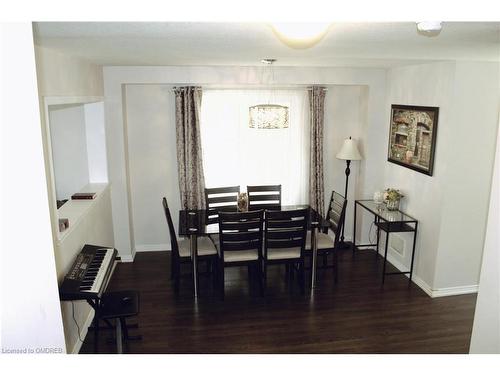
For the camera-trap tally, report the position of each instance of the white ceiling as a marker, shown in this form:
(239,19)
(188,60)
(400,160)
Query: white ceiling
(245,44)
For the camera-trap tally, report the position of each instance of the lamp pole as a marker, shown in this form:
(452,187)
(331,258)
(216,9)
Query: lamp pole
(348,152)
(347,173)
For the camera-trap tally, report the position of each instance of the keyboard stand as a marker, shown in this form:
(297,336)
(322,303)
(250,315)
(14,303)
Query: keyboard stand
(116,306)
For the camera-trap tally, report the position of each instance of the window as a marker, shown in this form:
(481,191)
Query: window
(236,154)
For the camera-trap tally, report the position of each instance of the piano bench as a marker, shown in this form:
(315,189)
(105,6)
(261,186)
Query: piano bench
(118,306)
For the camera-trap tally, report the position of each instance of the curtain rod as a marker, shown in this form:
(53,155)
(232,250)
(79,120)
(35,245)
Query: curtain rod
(251,88)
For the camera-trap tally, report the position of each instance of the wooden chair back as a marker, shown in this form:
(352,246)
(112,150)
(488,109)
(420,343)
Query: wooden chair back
(285,229)
(240,231)
(171,229)
(336,214)
(220,199)
(264,197)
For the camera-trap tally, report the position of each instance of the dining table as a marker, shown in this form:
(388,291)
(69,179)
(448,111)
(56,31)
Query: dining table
(194,224)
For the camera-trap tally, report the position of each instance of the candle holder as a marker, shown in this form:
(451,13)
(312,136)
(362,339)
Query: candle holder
(242,202)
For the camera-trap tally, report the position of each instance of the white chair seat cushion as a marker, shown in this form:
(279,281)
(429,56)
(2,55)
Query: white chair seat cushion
(284,253)
(324,241)
(215,239)
(240,256)
(205,247)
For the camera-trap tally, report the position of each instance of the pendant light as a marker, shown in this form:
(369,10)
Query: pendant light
(269,115)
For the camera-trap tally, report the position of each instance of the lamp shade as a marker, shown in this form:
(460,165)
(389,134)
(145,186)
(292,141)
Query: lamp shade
(349,150)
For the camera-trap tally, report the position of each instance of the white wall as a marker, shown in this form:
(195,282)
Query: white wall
(425,85)
(116,122)
(62,78)
(345,116)
(30,310)
(486,330)
(96,142)
(66,79)
(152,160)
(451,205)
(63,75)
(69,149)
(476,102)
(152,163)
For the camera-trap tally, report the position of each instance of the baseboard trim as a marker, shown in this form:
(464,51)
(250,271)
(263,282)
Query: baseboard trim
(415,278)
(84,330)
(433,293)
(127,258)
(455,291)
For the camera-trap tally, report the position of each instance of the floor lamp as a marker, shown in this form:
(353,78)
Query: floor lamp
(348,152)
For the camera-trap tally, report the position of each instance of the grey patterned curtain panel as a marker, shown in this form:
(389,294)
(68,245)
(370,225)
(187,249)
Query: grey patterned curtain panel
(189,152)
(316,179)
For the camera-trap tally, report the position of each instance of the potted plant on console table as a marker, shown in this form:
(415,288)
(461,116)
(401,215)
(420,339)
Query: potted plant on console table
(392,198)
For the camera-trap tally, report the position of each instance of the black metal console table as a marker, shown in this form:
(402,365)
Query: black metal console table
(389,222)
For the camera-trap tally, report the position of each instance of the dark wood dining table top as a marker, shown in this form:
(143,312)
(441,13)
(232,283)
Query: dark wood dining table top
(195,221)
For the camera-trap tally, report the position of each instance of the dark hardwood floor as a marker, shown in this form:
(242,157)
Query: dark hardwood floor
(357,315)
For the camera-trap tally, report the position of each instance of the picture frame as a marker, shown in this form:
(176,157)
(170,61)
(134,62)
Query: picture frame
(412,137)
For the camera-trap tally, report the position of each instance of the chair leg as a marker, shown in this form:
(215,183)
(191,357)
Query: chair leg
(221,276)
(259,276)
(215,272)
(177,278)
(96,335)
(126,335)
(335,266)
(302,278)
(264,278)
(172,267)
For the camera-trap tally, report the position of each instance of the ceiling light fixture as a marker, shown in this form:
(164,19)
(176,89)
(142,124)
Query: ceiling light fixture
(300,35)
(270,115)
(429,28)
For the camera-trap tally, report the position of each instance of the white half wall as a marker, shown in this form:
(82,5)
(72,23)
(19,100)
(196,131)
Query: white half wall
(92,225)
(116,78)
(30,309)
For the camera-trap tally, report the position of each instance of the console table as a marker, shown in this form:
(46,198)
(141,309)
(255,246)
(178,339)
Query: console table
(389,222)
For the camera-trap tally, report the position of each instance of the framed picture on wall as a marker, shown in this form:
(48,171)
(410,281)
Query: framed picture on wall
(412,137)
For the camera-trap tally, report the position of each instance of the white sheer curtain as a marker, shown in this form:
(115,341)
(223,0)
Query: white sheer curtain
(234,154)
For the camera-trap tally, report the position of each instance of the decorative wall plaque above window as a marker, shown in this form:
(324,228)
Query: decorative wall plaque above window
(268,116)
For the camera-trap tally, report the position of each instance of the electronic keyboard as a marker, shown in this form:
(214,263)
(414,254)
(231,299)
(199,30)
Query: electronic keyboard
(89,274)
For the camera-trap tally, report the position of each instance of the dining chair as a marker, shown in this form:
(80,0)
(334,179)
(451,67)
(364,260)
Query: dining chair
(264,197)
(181,251)
(284,241)
(325,243)
(220,199)
(240,243)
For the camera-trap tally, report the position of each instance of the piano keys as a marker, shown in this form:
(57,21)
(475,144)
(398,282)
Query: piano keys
(89,275)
